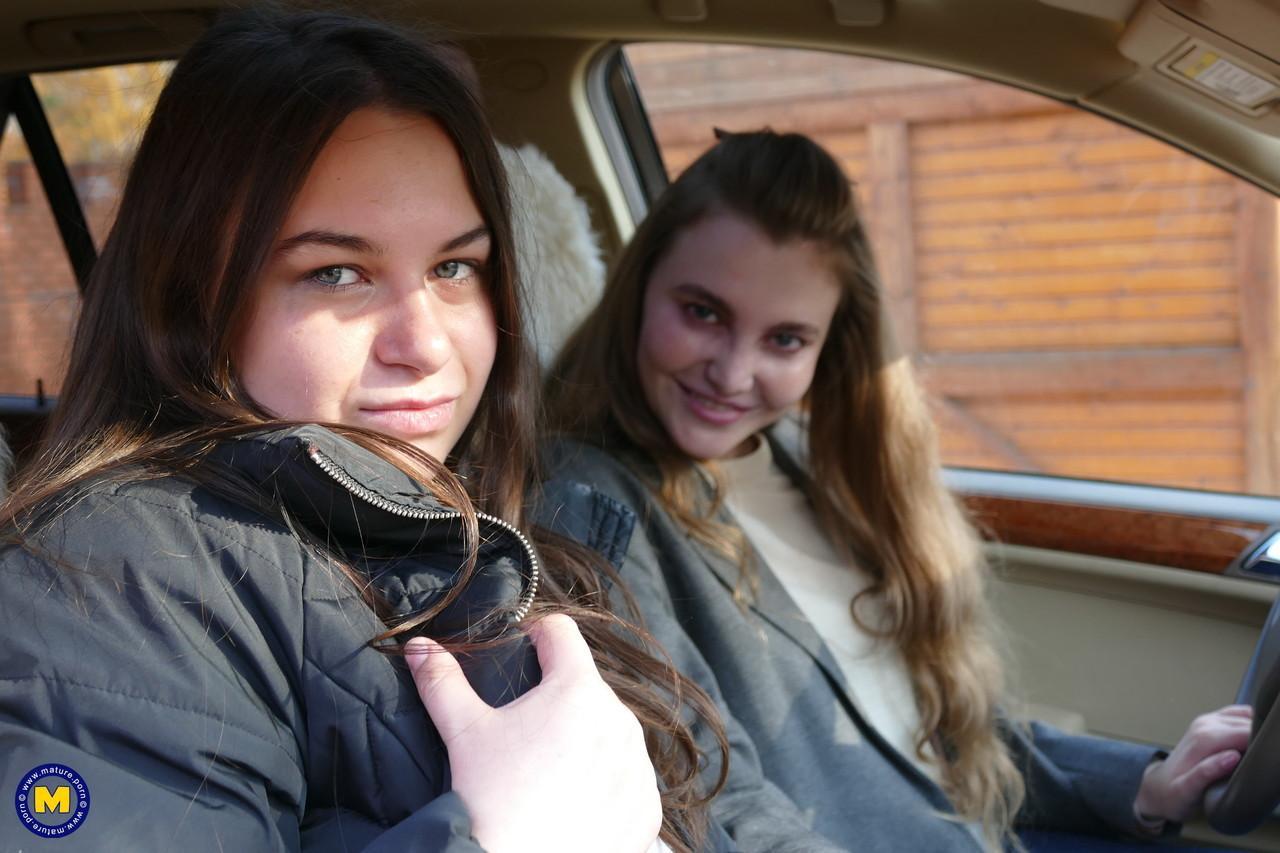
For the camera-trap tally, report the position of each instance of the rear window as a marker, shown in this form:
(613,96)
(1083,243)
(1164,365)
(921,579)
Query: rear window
(97,116)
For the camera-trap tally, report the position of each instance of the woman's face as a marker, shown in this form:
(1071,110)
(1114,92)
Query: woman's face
(733,324)
(373,309)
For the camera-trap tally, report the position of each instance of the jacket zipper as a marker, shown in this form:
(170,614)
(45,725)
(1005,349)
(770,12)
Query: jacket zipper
(342,478)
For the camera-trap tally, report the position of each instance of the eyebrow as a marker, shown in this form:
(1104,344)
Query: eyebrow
(475,235)
(354,243)
(333,239)
(699,292)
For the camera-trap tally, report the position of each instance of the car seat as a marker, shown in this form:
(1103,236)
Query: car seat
(560,261)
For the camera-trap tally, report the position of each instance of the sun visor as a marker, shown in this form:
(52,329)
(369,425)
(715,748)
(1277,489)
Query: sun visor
(1224,52)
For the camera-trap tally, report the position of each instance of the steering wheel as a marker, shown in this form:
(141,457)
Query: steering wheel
(1243,801)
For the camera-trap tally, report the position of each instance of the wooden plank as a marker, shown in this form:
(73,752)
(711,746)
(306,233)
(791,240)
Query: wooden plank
(1060,124)
(1053,336)
(1163,539)
(887,202)
(955,417)
(677,157)
(824,113)
(1153,439)
(851,144)
(1198,279)
(1184,476)
(848,146)
(1064,180)
(960,450)
(1110,413)
(1008,375)
(1129,467)
(1163,226)
(1113,256)
(1257,273)
(1073,153)
(1083,310)
(1103,204)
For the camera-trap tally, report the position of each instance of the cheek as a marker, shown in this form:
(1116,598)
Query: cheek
(787,384)
(290,368)
(475,336)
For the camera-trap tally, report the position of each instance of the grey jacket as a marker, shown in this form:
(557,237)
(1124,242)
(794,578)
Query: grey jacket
(780,684)
(211,681)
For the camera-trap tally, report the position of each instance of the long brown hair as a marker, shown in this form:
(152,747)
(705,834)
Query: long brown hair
(151,386)
(871,447)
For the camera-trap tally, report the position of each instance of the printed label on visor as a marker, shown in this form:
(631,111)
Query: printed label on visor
(1226,78)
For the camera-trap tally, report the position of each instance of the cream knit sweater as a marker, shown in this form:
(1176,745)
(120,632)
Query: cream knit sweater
(777,519)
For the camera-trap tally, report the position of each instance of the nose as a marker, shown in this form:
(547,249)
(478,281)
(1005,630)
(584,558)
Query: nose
(731,370)
(413,333)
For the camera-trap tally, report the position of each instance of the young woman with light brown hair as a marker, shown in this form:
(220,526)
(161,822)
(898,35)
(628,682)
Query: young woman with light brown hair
(795,547)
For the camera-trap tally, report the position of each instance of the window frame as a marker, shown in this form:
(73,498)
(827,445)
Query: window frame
(18,98)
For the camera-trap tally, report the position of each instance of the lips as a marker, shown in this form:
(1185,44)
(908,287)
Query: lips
(711,409)
(410,418)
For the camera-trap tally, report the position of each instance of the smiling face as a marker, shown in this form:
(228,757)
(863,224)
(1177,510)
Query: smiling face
(373,309)
(733,325)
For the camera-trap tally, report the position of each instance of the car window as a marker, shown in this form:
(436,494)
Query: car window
(96,116)
(1080,299)
(38,295)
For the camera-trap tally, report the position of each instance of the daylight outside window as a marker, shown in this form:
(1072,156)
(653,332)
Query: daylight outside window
(1080,299)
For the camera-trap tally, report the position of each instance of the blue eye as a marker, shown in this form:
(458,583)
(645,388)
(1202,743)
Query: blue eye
(335,276)
(454,270)
(788,342)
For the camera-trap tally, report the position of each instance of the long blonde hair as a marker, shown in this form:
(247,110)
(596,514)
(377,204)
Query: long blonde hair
(875,485)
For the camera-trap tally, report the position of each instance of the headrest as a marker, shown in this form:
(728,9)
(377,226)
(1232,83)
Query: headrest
(558,254)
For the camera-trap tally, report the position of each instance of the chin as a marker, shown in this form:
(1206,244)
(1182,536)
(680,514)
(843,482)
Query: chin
(433,447)
(701,446)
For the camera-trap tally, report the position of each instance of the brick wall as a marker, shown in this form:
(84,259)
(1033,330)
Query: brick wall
(38,296)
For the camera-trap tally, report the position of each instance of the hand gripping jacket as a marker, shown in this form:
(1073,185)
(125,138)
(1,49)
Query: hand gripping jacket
(210,678)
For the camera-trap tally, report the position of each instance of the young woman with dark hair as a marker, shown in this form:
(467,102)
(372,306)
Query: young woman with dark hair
(795,547)
(209,600)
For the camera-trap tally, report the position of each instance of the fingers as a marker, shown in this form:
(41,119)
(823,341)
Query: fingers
(562,652)
(1210,734)
(1193,783)
(1226,733)
(449,699)
(1172,795)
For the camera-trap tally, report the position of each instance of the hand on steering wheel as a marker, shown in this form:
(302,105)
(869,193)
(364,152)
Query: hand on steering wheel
(1173,788)
(1239,805)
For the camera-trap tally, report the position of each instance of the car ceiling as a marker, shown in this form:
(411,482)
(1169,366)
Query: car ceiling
(1059,52)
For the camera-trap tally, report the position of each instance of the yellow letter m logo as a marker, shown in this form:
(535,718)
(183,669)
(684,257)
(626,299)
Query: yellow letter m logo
(52,801)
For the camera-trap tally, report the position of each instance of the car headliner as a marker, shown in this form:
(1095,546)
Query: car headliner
(536,51)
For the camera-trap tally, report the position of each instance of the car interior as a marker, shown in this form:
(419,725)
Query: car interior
(1073,204)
